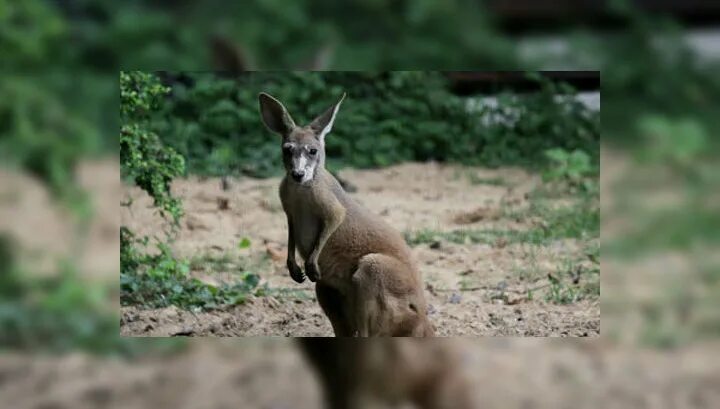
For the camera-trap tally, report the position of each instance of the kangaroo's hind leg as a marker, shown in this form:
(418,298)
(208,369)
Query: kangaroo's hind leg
(382,289)
(335,307)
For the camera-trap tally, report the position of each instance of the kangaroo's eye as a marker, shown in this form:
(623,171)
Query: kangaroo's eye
(313,151)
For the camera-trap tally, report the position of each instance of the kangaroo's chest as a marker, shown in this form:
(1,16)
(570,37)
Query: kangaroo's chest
(306,226)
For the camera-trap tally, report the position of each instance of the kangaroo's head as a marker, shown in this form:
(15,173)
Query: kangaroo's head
(303,147)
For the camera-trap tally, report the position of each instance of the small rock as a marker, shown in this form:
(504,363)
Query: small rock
(223,203)
(500,243)
(273,303)
(99,395)
(435,245)
(225,183)
(514,299)
(277,255)
(481,213)
(169,314)
(455,298)
(183,332)
(193,222)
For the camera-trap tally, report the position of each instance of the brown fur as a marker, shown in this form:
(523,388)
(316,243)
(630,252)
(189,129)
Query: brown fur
(381,373)
(367,281)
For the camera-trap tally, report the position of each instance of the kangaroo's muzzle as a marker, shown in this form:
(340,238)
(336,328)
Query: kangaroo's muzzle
(297,175)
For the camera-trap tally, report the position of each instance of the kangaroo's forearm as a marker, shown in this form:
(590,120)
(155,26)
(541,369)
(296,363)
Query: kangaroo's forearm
(295,272)
(329,226)
(291,242)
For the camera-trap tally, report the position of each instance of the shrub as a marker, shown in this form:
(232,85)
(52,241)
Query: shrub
(144,159)
(158,280)
(388,117)
(161,280)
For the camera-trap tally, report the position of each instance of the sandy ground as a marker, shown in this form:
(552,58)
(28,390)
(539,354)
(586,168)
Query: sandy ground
(473,289)
(47,234)
(270,374)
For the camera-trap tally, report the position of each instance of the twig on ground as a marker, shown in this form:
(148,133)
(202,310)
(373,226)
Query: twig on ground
(490,289)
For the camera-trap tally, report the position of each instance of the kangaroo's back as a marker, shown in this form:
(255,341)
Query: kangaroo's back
(363,232)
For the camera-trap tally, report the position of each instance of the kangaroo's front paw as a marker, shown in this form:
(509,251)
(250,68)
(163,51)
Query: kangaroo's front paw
(295,272)
(312,271)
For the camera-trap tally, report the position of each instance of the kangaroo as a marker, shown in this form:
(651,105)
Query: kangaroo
(390,372)
(366,279)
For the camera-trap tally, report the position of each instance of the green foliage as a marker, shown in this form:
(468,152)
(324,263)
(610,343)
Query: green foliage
(28,44)
(143,157)
(578,221)
(388,118)
(160,280)
(574,283)
(660,75)
(666,230)
(61,313)
(679,142)
(39,135)
(49,120)
(244,243)
(570,167)
(277,35)
(523,127)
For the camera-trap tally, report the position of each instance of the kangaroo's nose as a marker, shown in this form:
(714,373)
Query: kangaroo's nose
(297,175)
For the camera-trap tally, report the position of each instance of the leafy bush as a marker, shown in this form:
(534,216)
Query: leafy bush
(39,134)
(161,280)
(143,157)
(661,74)
(574,283)
(572,168)
(388,118)
(158,280)
(61,313)
(679,142)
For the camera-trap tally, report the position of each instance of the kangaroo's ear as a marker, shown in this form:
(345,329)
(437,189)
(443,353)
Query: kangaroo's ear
(323,124)
(274,115)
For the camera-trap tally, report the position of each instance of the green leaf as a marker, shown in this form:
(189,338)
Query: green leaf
(244,243)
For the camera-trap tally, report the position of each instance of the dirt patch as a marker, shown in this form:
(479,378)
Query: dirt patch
(270,374)
(474,216)
(48,233)
(473,289)
(256,317)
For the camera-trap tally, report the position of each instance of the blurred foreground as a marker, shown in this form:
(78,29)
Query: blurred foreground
(660,226)
(271,374)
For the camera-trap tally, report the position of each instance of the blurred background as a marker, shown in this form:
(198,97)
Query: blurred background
(60,185)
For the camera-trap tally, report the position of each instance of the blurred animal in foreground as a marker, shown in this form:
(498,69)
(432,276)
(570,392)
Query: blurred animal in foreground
(387,373)
(367,281)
